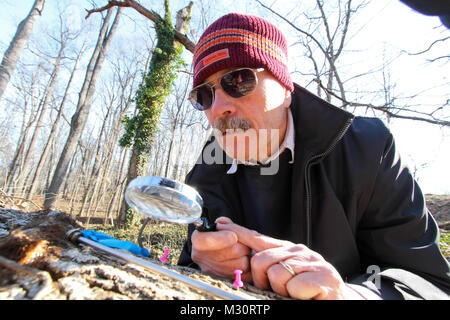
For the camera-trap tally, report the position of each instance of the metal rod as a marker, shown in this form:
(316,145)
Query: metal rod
(141,230)
(154,267)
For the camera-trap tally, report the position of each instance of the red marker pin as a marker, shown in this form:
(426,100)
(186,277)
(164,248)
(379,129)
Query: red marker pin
(238,282)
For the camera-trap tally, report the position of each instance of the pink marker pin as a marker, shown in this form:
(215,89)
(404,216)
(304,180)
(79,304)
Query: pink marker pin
(164,257)
(238,282)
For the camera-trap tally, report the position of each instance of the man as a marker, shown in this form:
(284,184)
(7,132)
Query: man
(337,217)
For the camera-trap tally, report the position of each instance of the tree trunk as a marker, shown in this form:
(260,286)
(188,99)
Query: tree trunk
(18,155)
(96,167)
(150,99)
(45,99)
(171,144)
(119,185)
(79,119)
(17,44)
(40,165)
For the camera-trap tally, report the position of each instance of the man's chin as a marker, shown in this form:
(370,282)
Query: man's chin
(234,146)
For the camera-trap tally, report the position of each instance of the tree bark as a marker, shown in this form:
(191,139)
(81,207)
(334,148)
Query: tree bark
(17,44)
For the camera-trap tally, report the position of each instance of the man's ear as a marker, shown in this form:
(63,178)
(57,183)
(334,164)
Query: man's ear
(287,98)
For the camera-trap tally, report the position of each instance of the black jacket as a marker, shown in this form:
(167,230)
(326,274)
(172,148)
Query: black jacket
(353,200)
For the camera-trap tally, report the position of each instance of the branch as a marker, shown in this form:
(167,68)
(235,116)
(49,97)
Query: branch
(328,52)
(384,108)
(344,32)
(435,59)
(296,28)
(15,200)
(151,15)
(111,4)
(327,28)
(429,47)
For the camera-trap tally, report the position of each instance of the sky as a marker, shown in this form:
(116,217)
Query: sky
(385,27)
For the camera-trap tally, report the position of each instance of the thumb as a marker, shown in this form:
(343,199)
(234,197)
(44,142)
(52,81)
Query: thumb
(251,238)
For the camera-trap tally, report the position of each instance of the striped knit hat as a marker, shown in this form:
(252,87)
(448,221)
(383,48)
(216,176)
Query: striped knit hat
(238,40)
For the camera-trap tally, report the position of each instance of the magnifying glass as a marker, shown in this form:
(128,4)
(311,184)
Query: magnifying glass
(168,200)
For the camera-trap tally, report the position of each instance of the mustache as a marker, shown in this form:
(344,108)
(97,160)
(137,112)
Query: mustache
(231,124)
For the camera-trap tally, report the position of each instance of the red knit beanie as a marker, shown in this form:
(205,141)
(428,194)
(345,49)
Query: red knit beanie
(238,40)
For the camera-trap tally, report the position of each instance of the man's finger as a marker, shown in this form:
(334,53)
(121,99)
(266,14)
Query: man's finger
(251,238)
(262,261)
(278,277)
(234,251)
(304,286)
(226,268)
(223,220)
(216,240)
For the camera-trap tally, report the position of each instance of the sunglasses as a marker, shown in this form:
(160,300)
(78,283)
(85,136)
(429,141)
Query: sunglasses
(236,83)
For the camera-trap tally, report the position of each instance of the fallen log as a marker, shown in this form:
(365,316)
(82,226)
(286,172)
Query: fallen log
(38,261)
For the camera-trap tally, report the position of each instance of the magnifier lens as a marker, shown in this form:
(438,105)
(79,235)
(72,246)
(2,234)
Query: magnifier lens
(164,199)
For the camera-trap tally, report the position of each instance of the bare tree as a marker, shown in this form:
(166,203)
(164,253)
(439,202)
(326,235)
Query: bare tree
(53,130)
(330,47)
(45,99)
(84,104)
(27,87)
(179,120)
(330,42)
(17,44)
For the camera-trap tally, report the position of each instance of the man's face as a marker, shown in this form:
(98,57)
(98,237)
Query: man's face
(251,127)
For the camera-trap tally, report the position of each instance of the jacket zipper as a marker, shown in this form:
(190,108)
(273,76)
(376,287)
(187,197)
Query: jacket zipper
(309,163)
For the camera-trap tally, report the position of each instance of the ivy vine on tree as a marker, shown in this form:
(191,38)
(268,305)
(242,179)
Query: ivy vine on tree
(156,86)
(141,129)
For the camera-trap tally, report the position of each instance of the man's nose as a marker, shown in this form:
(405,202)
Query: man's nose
(223,105)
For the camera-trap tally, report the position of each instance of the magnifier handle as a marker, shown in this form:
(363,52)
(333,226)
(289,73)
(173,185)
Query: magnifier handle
(206,225)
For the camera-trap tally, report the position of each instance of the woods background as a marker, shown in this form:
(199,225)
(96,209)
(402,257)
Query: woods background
(75,80)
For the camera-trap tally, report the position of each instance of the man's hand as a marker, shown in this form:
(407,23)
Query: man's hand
(314,277)
(220,253)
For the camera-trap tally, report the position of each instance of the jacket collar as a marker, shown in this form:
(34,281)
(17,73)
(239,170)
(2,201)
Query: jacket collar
(318,124)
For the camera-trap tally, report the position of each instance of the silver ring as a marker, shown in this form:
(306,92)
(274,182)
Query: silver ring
(287,267)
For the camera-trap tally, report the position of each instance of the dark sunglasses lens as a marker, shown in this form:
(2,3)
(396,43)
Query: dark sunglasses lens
(202,97)
(239,83)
